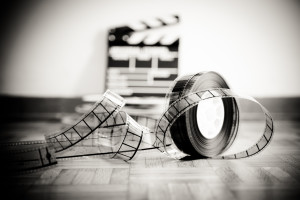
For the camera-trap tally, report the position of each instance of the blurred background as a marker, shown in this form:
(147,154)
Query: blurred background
(55,52)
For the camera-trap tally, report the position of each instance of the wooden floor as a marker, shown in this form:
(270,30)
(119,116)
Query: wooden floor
(273,174)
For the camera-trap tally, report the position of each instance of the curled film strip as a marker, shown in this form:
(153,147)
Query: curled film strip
(105,130)
(27,155)
(104,127)
(112,131)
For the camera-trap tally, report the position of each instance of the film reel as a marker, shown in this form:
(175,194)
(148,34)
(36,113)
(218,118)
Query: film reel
(178,133)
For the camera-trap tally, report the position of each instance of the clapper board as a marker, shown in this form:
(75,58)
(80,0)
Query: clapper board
(143,57)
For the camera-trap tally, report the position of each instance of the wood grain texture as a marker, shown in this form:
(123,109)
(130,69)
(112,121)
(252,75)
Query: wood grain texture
(102,176)
(273,174)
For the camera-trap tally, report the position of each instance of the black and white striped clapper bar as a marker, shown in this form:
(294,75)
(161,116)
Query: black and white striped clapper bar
(143,57)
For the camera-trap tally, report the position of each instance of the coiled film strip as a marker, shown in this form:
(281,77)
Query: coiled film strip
(114,133)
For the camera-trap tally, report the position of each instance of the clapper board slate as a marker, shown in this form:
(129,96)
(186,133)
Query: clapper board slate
(143,58)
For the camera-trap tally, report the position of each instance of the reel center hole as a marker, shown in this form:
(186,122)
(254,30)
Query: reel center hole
(210,117)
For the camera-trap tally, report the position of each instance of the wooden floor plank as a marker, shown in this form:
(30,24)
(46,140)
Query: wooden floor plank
(138,191)
(119,176)
(185,164)
(102,176)
(169,162)
(84,176)
(201,163)
(281,175)
(138,163)
(222,192)
(48,177)
(200,191)
(158,191)
(227,175)
(179,191)
(67,192)
(66,177)
(154,162)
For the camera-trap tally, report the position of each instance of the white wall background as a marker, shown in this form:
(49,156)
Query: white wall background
(60,48)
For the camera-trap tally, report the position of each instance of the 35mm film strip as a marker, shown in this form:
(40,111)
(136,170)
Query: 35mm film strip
(103,128)
(106,130)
